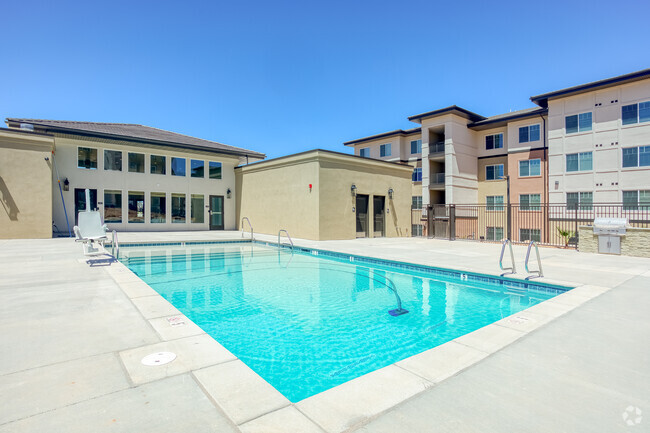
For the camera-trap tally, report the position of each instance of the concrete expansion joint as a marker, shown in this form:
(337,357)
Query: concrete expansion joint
(210,398)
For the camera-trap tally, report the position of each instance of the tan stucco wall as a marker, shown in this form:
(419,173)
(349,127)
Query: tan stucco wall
(636,241)
(25,186)
(275,194)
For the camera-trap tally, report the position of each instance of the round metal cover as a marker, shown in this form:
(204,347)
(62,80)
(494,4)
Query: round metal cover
(159,358)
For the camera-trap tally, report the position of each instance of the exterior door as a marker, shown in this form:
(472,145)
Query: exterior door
(216,212)
(379,219)
(362,215)
(80,202)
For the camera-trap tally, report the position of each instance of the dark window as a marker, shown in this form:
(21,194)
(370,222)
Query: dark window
(197,168)
(178,166)
(178,208)
(158,207)
(112,206)
(158,164)
(215,170)
(136,207)
(136,162)
(87,158)
(113,160)
(197,211)
(629,114)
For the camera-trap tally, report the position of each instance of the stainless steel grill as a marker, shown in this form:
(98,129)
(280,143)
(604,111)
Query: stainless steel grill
(610,231)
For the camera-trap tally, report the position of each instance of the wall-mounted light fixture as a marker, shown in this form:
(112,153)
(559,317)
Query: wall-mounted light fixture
(66,185)
(390,193)
(228,193)
(557,184)
(353,189)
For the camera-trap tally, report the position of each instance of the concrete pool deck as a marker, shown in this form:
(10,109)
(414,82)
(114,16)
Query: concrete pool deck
(73,336)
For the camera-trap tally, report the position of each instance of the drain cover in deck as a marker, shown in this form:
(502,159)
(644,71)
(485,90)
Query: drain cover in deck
(160,358)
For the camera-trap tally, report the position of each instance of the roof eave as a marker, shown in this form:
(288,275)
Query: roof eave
(487,124)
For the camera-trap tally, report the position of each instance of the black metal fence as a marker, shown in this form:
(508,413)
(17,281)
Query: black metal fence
(548,224)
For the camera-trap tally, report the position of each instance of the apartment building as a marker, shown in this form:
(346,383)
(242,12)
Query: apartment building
(585,144)
(140,178)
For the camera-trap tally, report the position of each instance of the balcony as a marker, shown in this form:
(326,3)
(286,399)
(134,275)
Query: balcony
(437,150)
(437,181)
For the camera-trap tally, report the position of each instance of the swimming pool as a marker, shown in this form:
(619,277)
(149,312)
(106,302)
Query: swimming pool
(309,320)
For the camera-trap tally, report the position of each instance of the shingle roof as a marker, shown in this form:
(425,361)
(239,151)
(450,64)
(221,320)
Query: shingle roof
(382,135)
(136,132)
(451,109)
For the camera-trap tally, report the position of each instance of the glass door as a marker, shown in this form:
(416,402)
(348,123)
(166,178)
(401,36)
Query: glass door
(80,202)
(216,212)
(378,210)
(362,215)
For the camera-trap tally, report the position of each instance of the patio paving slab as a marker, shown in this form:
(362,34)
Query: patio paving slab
(175,404)
(240,392)
(286,420)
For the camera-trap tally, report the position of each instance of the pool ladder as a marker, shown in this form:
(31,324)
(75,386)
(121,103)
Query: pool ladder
(288,237)
(249,225)
(115,246)
(513,269)
(539,271)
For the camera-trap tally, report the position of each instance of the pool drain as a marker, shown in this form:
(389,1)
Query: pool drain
(160,358)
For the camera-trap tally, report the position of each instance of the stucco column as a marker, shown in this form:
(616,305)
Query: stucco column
(425,168)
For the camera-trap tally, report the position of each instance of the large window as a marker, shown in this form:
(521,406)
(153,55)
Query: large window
(529,133)
(197,212)
(416,146)
(494,233)
(530,167)
(364,152)
(635,200)
(494,202)
(158,164)
(578,123)
(579,162)
(384,150)
(493,172)
(215,170)
(136,162)
(417,174)
(416,202)
(87,158)
(494,141)
(416,230)
(178,208)
(530,235)
(178,166)
(112,206)
(635,113)
(136,207)
(583,200)
(197,168)
(529,202)
(636,156)
(113,160)
(158,207)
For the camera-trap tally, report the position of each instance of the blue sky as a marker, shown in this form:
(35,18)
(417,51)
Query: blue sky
(282,77)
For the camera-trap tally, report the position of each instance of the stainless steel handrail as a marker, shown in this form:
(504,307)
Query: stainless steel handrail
(539,272)
(115,244)
(249,224)
(513,269)
(288,237)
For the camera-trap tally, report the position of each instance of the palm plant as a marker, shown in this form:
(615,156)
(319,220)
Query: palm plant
(566,234)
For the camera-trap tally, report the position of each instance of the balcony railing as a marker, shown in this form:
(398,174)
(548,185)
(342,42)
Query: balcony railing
(437,179)
(438,147)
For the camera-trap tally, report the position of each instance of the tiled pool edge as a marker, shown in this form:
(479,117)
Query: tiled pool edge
(355,403)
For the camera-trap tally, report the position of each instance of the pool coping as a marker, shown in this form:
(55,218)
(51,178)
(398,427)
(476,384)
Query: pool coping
(352,404)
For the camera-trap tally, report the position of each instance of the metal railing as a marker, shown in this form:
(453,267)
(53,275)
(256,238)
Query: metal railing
(288,237)
(539,271)
(513,269)
(249,224)
(437,178)
(548,224)
(436,147)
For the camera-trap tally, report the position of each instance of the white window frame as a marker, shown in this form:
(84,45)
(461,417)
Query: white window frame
(104,161)
(362,150)
(493,135)
(86,168)
(494,165)
(528,126)
(382,149)
(528,161)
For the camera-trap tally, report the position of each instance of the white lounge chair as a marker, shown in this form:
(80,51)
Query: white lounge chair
(91,232)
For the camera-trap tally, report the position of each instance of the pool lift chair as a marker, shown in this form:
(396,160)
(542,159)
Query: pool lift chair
(90,231)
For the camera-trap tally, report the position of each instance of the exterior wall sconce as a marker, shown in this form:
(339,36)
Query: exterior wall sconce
(390,193)
(228,193)
(353,189)
(66,185)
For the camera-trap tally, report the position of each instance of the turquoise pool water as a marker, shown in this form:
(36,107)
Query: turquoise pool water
(307,323)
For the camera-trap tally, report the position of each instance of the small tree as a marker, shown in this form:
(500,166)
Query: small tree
(566,234)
